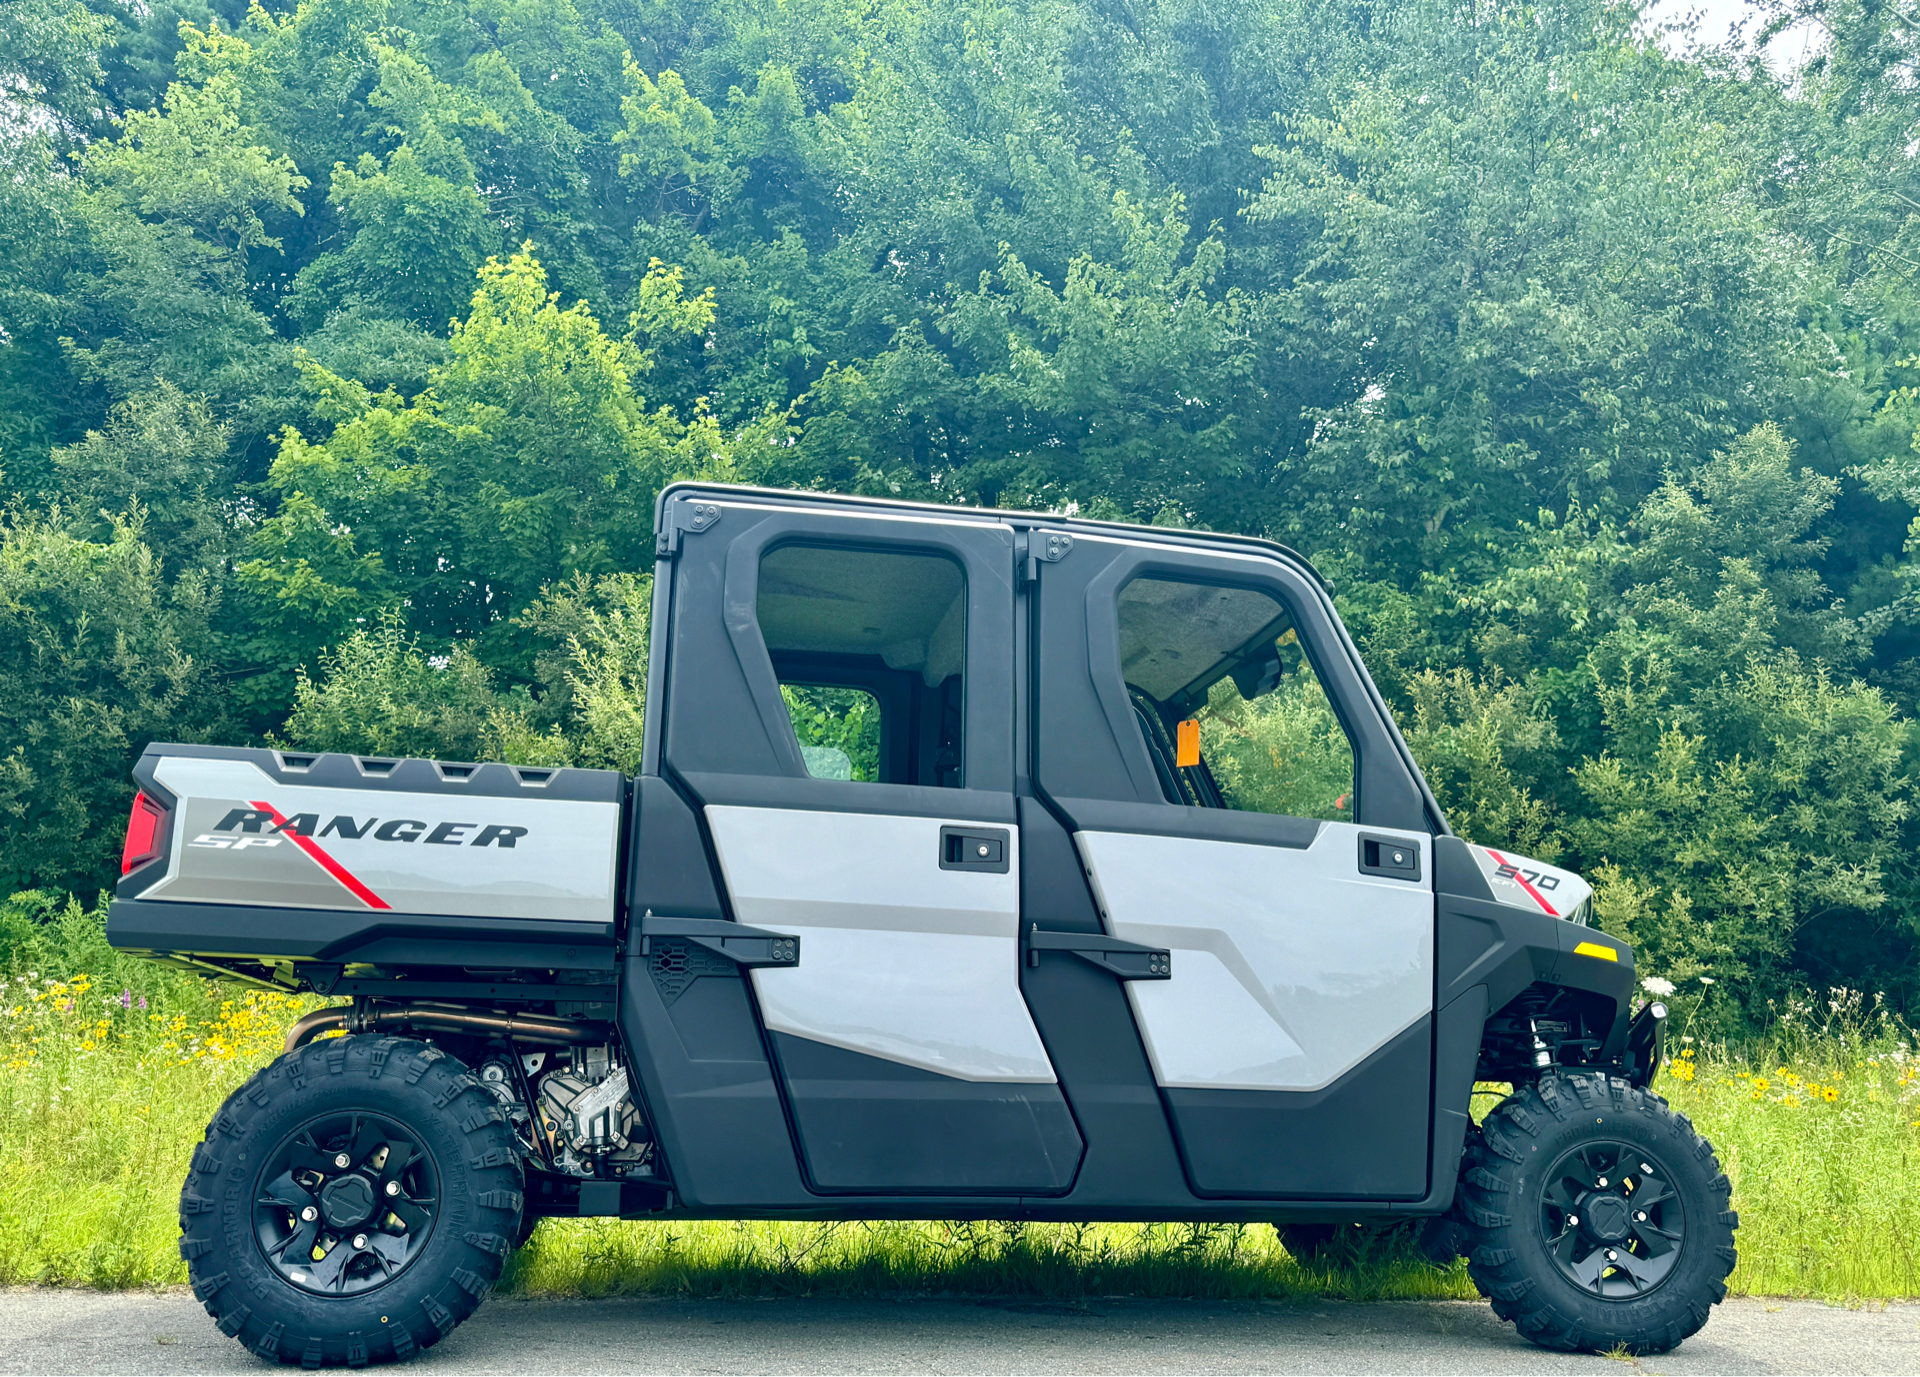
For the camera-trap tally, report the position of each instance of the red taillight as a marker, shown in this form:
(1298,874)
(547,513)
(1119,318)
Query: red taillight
(143,832)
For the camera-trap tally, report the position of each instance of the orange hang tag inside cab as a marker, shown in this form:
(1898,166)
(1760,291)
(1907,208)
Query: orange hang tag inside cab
(1187,744)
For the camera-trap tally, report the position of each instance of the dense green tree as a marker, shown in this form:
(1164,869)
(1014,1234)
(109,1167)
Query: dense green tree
(164,456)
(100,652)
(50,61)
(345,343)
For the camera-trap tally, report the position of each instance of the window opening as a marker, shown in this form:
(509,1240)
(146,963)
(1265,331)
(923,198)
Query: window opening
(1229,660)
(838,730)
(869,647)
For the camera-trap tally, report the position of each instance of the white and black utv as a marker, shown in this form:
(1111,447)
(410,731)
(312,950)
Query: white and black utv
(981,865)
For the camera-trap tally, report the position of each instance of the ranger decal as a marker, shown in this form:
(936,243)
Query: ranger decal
(398,829)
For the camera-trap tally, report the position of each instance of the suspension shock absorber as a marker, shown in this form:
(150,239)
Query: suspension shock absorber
(1542,1054)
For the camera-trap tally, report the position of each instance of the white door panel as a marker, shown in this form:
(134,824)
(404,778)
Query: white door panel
(1291,966)
(899,958)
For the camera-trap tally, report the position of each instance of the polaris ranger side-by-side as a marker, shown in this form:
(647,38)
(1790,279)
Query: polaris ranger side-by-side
(980,865)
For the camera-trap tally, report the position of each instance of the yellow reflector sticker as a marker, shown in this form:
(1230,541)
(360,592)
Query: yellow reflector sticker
(1595,949)
(1187,747)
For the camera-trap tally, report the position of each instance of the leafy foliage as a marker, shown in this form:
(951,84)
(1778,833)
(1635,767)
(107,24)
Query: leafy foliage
(841,722)
(1283,752)
(99,654)
(344,346)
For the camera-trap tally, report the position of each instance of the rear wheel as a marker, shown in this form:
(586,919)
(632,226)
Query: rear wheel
(1596,1217)
(351,1203)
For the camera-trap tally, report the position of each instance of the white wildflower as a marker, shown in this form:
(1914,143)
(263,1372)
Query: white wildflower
(1656,985)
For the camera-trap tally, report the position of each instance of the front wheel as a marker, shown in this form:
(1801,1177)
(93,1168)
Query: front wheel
(1597,1219)
(351,1203)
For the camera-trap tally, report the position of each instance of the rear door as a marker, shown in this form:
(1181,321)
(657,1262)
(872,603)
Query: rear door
(1236,799)
(839,704)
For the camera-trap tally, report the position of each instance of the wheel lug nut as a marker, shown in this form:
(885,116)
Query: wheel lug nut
(1641,1216)
(310,1214)
(1573,1219)
(1603,1180)
(393,1188)
(1611,1255)
(342,1160)
(360,1241)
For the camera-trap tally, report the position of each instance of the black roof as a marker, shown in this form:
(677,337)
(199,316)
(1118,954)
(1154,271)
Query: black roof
(1000,515)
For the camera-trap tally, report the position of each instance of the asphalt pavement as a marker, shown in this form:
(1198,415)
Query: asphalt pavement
(54,1331)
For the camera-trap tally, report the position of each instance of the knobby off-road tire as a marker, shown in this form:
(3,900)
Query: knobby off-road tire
(1650,1258)
(408,1129)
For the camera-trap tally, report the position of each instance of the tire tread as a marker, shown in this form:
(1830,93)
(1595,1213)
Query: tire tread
(466,1265)
(1498,1258)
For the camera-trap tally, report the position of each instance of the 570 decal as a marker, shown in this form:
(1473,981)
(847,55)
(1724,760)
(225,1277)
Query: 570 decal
(1532,882)
(1537,878)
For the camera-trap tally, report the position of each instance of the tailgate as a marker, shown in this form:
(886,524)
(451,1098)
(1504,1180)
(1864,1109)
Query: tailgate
(283,830)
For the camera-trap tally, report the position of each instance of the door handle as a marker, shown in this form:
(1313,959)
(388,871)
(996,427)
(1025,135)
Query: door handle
(749,948)
(1115,956)
(974,848)
(1393,857)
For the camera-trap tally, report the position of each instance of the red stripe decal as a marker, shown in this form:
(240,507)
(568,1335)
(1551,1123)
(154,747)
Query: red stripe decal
(1521,880)
(328,863)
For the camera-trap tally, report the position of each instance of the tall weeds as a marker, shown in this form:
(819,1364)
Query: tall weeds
(110,1069)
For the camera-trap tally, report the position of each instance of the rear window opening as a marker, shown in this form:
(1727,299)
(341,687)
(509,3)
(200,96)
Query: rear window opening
(869,647)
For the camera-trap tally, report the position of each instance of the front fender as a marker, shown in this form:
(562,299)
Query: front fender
(1509,943)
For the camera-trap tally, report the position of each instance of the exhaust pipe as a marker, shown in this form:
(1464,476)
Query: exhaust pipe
(310,1026)
(542,1029)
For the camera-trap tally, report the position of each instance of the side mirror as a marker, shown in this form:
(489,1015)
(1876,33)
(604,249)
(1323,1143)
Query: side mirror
(1258,673)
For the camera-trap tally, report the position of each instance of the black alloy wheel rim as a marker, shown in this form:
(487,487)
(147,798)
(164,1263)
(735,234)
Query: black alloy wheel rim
(1612,1221)
(345,1203)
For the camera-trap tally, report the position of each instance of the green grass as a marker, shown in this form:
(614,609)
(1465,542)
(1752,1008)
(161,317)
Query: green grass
(1818,1128)
(577,1257)
(101,1101)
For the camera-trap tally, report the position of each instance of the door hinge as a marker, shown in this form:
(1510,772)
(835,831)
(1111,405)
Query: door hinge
(1128,960)
(747,947)
(1049,547)
(688,517)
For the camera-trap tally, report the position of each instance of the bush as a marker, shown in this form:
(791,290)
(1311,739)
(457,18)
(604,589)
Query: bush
(380,694)
(99,654)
